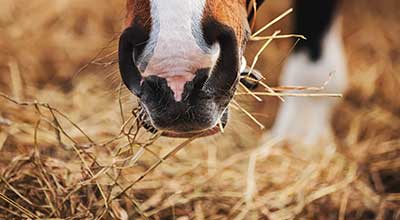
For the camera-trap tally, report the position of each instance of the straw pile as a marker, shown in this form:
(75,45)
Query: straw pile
(71,148)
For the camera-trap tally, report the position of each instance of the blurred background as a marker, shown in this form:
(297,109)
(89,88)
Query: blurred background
(62,154)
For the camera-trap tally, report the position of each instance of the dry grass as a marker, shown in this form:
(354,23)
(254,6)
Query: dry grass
(78,153)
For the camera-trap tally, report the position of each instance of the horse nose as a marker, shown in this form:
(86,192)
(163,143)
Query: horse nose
(190,113)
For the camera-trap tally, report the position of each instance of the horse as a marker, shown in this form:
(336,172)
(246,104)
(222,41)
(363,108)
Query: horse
(183,60)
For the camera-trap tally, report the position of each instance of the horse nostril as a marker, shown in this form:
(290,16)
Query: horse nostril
(129,39)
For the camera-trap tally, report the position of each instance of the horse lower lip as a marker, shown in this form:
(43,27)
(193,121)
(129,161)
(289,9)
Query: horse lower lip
(205,133)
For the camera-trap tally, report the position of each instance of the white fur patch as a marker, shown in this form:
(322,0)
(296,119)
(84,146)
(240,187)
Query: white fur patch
(307,120)
(175,50)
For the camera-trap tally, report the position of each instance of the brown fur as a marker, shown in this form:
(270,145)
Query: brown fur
(139,10)
(231,13)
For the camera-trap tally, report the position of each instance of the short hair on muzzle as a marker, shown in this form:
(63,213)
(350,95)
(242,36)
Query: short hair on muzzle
(205,99)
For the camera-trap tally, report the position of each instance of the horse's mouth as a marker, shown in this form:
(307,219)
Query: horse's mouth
(145,123)
(204,133)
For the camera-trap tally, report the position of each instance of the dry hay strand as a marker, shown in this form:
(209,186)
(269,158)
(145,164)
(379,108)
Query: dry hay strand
(36,189)
(103,204)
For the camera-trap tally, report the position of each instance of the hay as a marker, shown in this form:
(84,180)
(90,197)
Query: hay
(78,152)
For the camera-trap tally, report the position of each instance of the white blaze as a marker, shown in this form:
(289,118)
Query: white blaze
(176,49)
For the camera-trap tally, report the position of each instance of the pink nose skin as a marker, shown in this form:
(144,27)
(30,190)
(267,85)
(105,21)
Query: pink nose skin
(177,84)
